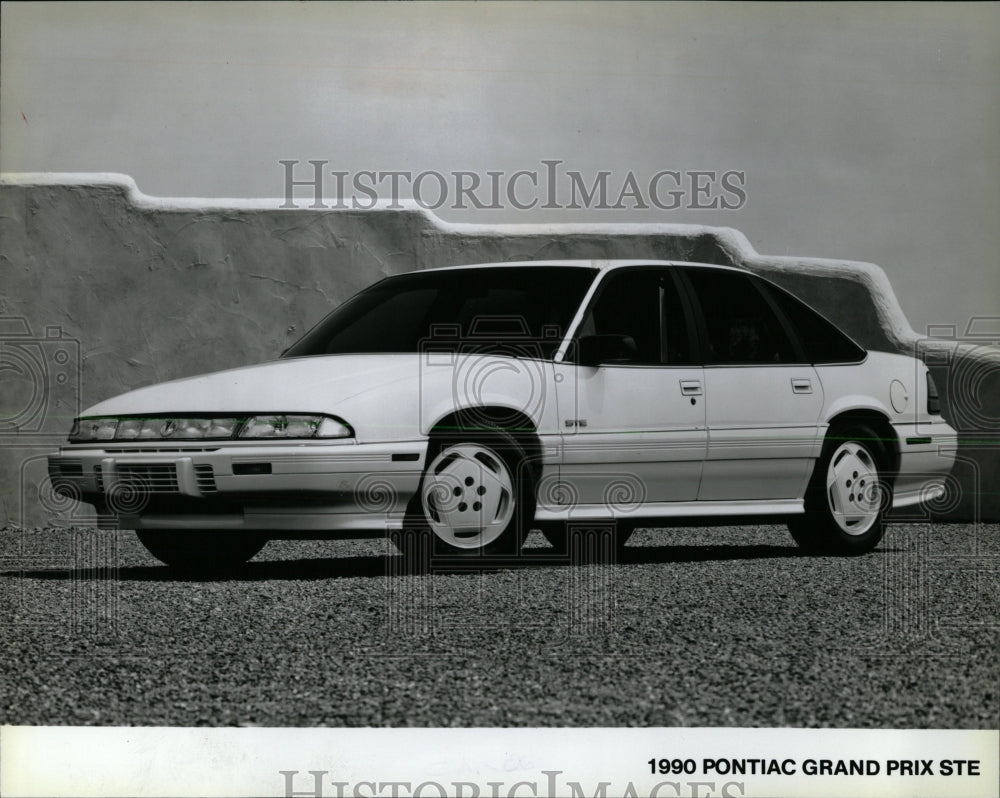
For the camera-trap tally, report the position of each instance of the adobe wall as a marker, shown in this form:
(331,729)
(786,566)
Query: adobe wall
(153,289)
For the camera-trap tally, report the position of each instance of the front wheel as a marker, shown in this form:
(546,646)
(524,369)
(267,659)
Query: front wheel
(477,497)
(848,494)
(201,551)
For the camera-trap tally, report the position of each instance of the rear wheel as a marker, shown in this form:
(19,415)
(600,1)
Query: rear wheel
(201,551)
(476,497)
(848,495)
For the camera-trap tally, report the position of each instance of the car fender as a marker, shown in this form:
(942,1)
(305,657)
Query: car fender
(889,384)
(521,385)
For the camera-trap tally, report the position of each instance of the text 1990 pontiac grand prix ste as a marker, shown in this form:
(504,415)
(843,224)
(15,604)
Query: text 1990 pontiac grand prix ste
(465,406)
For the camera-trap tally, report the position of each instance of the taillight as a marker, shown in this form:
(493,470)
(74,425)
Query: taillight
(933,399)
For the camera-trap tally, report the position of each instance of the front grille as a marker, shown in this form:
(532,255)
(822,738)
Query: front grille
(152,477)
(99,479)
(205,477)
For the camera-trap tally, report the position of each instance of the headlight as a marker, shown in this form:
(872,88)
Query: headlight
(93,429)
(284,426)
(187,428)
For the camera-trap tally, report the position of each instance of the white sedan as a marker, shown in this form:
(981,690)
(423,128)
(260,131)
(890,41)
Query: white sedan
(464,406)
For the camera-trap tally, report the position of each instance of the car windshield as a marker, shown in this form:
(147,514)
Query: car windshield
(522,310)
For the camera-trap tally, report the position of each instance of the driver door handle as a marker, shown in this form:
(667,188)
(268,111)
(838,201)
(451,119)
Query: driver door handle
(691,387)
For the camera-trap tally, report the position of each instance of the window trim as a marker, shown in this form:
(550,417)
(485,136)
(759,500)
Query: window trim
(801,353)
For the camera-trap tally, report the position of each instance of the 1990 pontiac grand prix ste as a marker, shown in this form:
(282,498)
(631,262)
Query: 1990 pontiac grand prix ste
(466,406)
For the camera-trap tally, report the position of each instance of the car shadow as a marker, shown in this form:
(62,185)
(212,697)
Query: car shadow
(382,565)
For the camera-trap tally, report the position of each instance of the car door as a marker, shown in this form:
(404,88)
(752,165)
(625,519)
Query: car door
(633,427)
(763,397)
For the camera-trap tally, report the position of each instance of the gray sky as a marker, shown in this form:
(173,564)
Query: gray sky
(867,132)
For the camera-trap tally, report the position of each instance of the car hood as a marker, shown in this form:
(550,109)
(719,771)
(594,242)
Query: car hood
(304,385)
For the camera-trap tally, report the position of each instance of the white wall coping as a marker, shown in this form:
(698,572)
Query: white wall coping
(872,277)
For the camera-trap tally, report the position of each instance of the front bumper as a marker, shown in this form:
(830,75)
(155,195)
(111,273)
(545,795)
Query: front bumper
(276,486)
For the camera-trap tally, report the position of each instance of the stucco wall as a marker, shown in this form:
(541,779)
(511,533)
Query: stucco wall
(156,289)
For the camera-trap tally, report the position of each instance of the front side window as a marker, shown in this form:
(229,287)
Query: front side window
(478,308)
(740,326)
(644,306)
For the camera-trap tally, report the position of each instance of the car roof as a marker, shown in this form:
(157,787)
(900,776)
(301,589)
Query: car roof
(599,264)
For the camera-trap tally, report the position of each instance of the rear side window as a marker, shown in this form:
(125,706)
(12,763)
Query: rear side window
(822,339)
(740,326)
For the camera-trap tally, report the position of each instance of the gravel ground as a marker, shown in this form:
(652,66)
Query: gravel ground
(691,627)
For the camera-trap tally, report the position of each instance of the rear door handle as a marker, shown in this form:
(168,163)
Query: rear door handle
(802,386)
(691,387)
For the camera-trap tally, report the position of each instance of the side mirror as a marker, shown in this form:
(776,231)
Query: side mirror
(593,350)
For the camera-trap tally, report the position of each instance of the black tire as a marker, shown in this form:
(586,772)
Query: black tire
(201,551)
(458,483)
(848,495)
